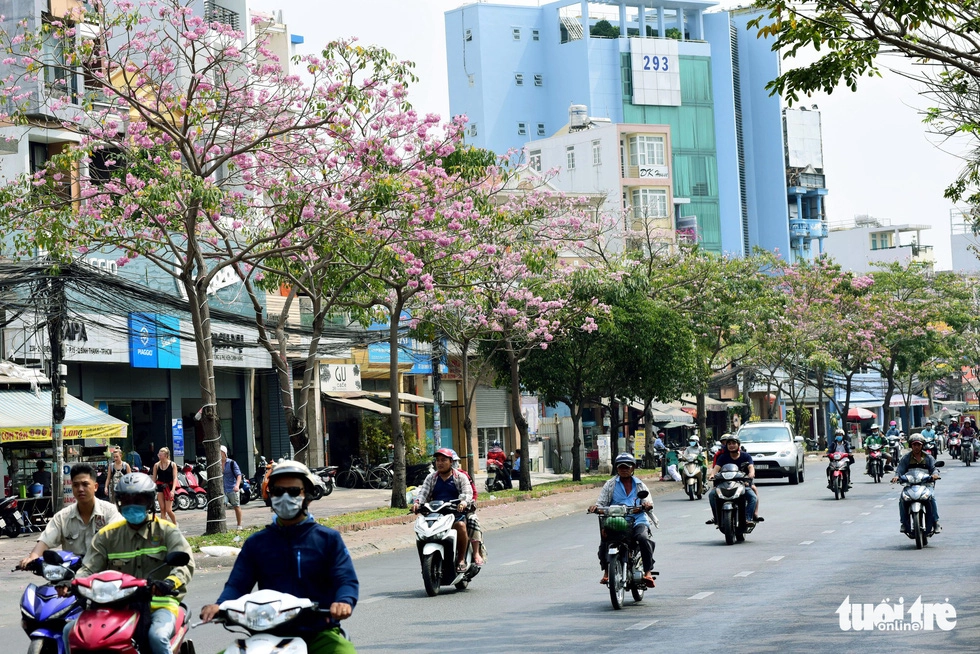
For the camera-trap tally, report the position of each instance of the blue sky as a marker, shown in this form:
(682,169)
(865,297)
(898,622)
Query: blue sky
(878,158)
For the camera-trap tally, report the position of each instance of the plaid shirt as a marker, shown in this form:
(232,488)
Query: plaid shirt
(462,485)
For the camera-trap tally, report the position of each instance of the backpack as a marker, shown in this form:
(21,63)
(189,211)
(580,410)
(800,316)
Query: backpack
(473,485)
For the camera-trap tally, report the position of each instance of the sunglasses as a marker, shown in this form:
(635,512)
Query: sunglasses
(279,491)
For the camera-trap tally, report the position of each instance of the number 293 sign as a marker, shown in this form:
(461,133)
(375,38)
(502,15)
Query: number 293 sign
(656,72)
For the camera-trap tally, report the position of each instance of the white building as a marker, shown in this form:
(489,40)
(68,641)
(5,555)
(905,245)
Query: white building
(867,240)
(964,242)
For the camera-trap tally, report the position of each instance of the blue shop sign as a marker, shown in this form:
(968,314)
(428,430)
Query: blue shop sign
(142,340)
(168,342)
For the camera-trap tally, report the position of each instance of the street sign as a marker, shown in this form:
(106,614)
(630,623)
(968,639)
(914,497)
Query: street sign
(177,425)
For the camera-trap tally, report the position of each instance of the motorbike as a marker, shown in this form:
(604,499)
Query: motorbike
(968,451)
(12,518)
(716,447)
(918,488)
(255,483)
(895,448)
(114,608)
(692,471)
(269,618)
(839,468)
(436,542)
(328,475)
(498,476)
(624,564)
(931,447)
(731,489)
(876,462)
(953,446)
(189,494)
(43,612)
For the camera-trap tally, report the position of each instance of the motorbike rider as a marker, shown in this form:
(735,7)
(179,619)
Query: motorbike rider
(74,527)
(917,459)
(447,484)
(874,439)
(954,427)
(622,489)
(472,522)
(893,429)
(733,454)
(137,545)
(321,569)
(841,444)
(969,432)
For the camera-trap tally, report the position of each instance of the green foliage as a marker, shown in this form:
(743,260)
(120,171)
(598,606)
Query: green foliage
(604,29)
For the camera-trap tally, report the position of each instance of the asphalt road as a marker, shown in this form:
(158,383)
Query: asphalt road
(780,591)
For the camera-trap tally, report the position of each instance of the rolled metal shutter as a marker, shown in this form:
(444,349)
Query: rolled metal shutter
(492,407)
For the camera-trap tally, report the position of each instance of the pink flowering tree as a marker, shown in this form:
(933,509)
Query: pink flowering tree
(194,148)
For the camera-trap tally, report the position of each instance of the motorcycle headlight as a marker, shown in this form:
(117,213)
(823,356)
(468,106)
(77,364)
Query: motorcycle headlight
(105,592)
(729,475)
(53,572)
(617,511)
(262,617)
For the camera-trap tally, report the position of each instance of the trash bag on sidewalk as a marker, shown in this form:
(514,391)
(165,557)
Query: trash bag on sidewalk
(672,471)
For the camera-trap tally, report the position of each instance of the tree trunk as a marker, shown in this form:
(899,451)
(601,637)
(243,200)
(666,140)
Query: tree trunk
(469,393)
(210,420)
(576,441)
(702,416)
(890,380)
(398,485)
(518,414)
(614,429)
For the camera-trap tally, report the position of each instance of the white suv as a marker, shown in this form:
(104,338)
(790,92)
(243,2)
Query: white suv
(775,451)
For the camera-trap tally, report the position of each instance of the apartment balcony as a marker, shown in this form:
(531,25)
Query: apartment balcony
(213,12)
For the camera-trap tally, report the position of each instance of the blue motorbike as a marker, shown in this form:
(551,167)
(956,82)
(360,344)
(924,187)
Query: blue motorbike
(43,612)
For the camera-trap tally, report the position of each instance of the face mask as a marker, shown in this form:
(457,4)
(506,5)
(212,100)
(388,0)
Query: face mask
(287,507)
(134,514)
(839,439)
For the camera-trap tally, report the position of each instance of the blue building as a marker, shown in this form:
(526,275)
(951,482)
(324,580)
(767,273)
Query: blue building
(514,71)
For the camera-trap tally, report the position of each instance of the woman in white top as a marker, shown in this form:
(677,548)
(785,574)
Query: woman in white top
(117,469)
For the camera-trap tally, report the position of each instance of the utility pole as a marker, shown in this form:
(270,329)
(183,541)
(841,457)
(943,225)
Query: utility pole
(57,373)
(436,393)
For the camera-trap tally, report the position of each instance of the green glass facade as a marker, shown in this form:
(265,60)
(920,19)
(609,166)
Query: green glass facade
(694,162)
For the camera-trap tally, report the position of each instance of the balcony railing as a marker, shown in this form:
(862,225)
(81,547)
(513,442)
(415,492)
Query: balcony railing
(213,12)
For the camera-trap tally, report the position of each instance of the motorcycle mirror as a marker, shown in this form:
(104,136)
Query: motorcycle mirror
(177,559)
(643,494)
(52,557)
(940,464)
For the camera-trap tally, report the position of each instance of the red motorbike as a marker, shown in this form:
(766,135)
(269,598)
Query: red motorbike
(115,608)
(839,474)
(189,493)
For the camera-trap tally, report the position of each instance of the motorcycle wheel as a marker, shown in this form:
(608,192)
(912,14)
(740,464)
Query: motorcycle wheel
(432,573)
(490,485)
(328,486)
(617,585)
(728,528)
(42,646)
(244,497)
(317,492)
(11,531)
(875,473)
(700,492)
(187,647)
(690,491)
(182,502)
(920,530)
(637,590)
(836,484)
(201,500)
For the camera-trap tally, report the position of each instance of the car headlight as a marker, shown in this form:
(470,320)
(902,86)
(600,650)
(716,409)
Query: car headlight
(785,453)
(106,592)
(262,617)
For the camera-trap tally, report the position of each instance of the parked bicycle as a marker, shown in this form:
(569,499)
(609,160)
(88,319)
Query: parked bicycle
(355,475)
(380,477)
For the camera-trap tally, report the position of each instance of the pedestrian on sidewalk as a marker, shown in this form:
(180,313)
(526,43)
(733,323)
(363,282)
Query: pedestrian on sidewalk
(231,476)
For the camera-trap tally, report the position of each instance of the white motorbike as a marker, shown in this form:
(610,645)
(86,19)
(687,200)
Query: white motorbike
(269,618)
(692,471)
(436,541)
(917,492)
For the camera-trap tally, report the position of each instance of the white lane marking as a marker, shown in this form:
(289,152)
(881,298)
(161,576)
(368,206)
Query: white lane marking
(744,573)
(776,558)
(686,516)
(514,562)
(807,542)
(376,598)
(830,531)
(572,547)
(640,626)
(848,522)
(702,595)
(865,514)
(879,506)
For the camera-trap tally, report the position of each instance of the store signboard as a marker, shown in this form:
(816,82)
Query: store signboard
(142,340)
(168,342)
(340,377)
(88,337)
(656,72)
(177,427)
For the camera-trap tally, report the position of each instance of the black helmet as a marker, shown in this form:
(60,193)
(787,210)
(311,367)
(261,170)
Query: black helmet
(136,488)
(626,459)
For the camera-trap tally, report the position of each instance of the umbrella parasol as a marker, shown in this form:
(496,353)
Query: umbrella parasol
(857,413)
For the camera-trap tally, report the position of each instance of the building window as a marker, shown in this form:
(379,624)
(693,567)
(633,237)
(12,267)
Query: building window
(647,151)
(472,129)
(649,203)
(522,129)
(468,35)
(56,54)
(596,153)
(534,160)
(471,79)
(535,35)
(519,79)
(517,33)
(570,157)
(541,131)
(539,80)
(874,242)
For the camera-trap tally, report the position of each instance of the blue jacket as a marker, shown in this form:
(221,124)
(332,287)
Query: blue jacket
(306,560)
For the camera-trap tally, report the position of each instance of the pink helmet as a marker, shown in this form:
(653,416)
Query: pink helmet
(892,423)
(446,452)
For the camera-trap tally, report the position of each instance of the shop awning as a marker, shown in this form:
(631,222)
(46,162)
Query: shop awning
(26,417)
(665,412)
(363,403)
(898,400)
(675,425)
(402,397)
(861,400)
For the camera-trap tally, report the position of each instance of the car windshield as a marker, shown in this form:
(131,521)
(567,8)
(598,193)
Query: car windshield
(772,434)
